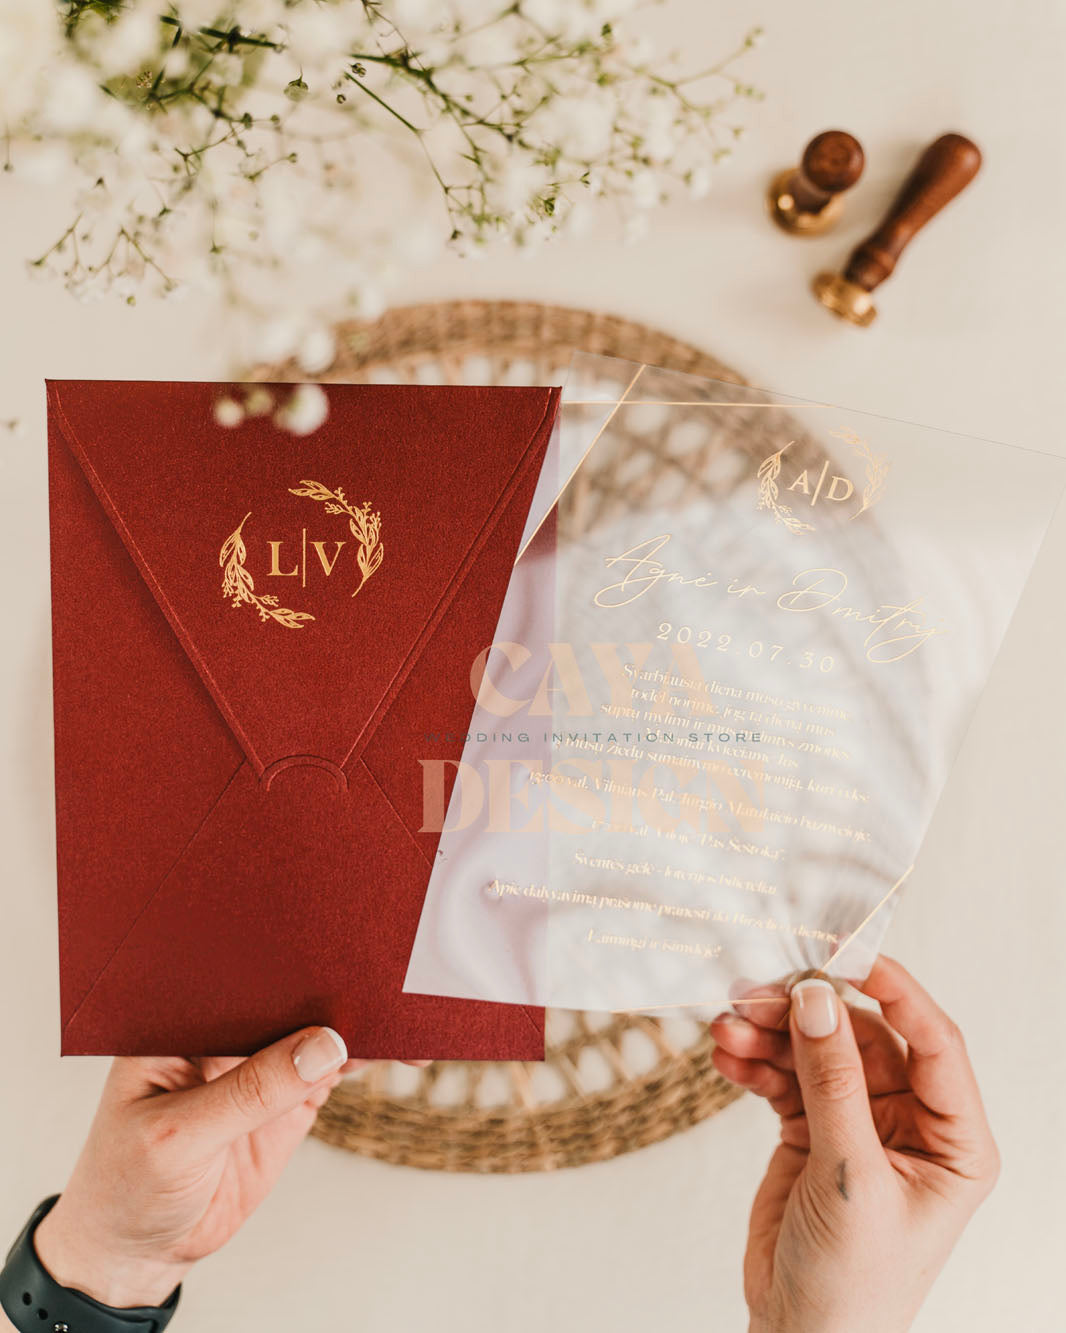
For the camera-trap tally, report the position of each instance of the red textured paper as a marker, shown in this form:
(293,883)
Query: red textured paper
(238,803)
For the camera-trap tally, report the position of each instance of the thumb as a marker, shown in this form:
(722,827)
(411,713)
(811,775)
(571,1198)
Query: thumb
(833,1082)
(266,1086)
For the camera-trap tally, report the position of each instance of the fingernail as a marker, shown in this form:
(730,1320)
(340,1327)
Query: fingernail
(319,1054)
(816,1007)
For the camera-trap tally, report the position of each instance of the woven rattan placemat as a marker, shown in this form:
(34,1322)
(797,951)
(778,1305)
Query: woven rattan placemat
(610,1083)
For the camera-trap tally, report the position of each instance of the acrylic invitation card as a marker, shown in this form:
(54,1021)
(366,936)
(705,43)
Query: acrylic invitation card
(723,699)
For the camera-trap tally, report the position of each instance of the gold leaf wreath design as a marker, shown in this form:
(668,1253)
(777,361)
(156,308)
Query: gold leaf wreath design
(876,471)
(365,525)
(238,585)
(769,471)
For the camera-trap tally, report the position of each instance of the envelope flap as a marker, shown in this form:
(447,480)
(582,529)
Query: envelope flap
(302,574)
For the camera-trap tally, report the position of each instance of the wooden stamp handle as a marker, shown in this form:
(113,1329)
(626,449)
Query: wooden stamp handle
(946,167)
(832,162)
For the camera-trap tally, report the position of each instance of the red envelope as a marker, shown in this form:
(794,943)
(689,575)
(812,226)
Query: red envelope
(254,634)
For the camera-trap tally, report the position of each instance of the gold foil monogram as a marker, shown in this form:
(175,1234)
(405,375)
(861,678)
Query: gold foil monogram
(364,524)
(811,485)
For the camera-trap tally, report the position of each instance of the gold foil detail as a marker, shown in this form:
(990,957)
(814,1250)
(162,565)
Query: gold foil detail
(364,524)
(769,471)
(876,472)
(876,468)
(238,584)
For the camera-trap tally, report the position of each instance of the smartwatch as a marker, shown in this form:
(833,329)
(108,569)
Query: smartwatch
(35,1302)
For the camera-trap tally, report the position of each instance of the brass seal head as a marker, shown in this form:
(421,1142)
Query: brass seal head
(845,299)
(787,213)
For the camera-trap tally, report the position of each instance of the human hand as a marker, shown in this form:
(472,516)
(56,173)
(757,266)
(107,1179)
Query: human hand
(181,1152)
(885,1151)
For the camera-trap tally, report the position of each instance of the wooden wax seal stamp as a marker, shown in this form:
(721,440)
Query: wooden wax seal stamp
(807,200)
(946,167)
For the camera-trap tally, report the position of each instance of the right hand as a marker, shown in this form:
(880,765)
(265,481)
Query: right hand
(885,1152)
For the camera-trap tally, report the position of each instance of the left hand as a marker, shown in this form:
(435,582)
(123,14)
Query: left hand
(181,1152)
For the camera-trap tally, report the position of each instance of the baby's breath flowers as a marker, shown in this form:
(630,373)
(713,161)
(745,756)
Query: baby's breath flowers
(295,155)
(229,412)
(305,409)
(300,410)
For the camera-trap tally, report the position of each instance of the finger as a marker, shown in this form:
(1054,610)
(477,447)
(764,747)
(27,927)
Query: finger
(321,1094)
(211,1066)
(742,1037)
(883,1053)
(884,1056)
(264,1087)
(795,1131)
(830,1073)
(135,1077)
(263,1155)
(129,1079)
(777,1086)
(765,1005)
(352,1066)
(272,1145)
(883,1059)
(938,1066)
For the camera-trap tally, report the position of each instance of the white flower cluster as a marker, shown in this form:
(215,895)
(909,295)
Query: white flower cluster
(262,148)
(300,413)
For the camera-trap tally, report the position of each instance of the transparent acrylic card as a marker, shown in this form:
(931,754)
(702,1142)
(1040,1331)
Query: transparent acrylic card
(735,662)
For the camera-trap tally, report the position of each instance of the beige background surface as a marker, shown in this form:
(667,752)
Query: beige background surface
(970,339)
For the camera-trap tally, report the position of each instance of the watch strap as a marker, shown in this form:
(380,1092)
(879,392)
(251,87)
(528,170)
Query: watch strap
(36,1303)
